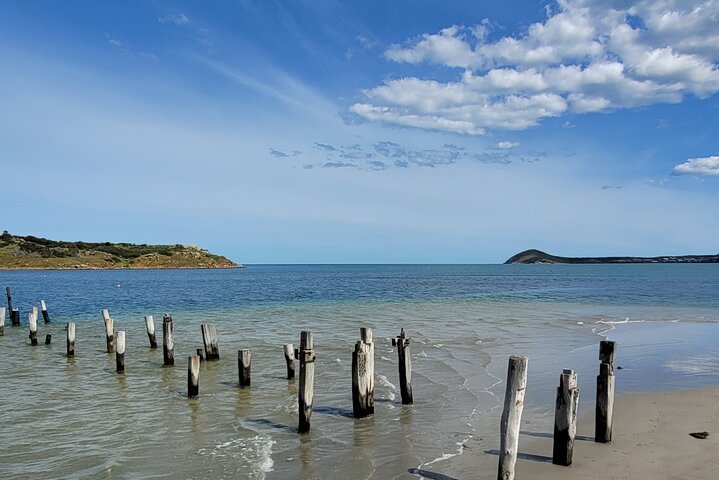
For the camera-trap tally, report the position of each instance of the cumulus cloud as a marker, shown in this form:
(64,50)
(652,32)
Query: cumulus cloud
(178,19)
(699,166)
(506,145)
(586,56)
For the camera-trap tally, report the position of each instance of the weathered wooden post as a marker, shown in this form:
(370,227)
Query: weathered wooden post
(168,343)
(150,325)
(48,339)
(565,418)
(109,330)
(15,317)
(43,308)
(2,320)
(193,376)
(120,353)
(405,367)
(244,364)
(305,393)
(9,300)
(71,339)
(512,416)
(604,412)
(290,360)
(32,322)
(363,375)
(209,338)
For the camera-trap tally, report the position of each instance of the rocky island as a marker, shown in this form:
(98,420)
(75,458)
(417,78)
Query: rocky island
(19,253)
(538,256)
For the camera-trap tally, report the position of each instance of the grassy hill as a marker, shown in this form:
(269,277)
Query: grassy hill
(30,252)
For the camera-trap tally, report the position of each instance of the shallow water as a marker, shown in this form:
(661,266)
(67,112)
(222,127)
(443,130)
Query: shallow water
(78,418)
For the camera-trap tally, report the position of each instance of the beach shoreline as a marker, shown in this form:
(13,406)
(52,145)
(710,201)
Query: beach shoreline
(651,441)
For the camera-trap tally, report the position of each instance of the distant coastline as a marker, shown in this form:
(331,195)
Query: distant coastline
(35,253)
(537,256)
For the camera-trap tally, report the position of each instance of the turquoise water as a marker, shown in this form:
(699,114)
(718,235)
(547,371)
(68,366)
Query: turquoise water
(77,418)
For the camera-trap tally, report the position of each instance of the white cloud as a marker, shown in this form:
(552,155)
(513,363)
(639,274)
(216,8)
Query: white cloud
(699,166)
(178,19)
(506,145)
(587,56)
(447,47)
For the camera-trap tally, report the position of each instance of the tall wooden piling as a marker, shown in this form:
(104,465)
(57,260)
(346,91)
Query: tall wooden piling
(305,393)
(405,367)
(512,416)
(565,418)
(15,317)
(150,326)
(120,352)
(9,300)
(2,321)
(244,364)
(71,339)
(290,360)
(43,309)
(32,323)
(209,338)
(363,375)
(604,411)
(168,342)
(109,330)
(193,376)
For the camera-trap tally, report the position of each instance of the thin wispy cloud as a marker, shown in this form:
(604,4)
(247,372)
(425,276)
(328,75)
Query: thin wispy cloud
(699,166)
(587,56)
(506,145)
(123,48)
(384,155)
(178,19)
(282,154)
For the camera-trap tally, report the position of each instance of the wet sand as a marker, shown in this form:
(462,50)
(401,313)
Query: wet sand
(650,441)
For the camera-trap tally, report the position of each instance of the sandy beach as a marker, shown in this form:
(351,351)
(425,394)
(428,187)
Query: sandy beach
(651,441)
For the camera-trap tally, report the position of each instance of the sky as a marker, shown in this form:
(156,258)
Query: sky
(328,131)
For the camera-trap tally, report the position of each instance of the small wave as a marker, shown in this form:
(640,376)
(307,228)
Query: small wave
(385,359)
(382,381)
(256,451)
(695,365)
(446,456)
(338,361)
(422,354)
(619,322)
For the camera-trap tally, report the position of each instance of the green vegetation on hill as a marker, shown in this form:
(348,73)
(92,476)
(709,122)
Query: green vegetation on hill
(18,252)
(538,256)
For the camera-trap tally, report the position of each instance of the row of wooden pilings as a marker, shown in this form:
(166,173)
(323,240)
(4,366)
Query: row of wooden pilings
(565,412)
(15,316)
(362,360)
(566,406)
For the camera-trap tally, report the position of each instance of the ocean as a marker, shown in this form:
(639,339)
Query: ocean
(76,418)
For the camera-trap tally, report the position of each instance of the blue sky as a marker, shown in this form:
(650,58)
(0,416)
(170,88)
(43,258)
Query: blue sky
(323,131)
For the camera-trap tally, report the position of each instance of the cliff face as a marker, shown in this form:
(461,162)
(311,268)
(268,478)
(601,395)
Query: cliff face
(537,256)
(29,252)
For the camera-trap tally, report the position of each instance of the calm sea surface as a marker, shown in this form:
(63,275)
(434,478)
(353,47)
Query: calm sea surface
(76,418)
